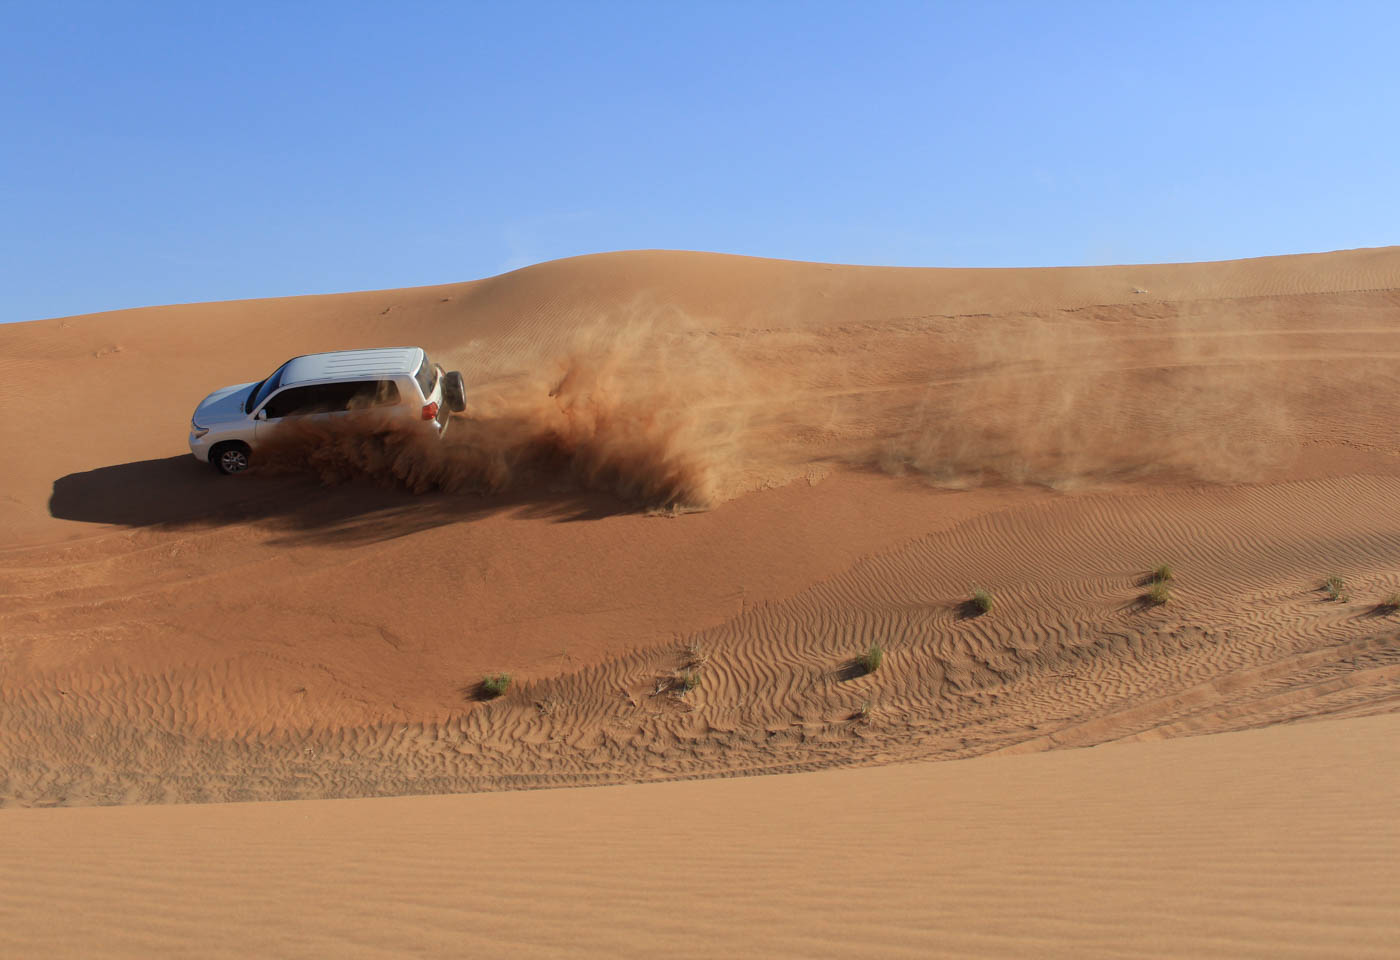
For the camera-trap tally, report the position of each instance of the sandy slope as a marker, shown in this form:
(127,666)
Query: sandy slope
(1271,844)
(842,454)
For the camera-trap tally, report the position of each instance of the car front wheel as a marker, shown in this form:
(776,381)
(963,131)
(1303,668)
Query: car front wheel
(229,458)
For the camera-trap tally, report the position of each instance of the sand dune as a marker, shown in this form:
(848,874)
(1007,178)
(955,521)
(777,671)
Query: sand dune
(1270,843)
(745,469)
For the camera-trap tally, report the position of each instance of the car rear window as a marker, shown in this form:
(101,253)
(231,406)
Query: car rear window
(426,376)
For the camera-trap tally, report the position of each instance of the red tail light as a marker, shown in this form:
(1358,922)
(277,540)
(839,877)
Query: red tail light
(430,411)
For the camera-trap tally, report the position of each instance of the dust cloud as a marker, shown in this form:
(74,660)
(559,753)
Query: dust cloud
(646,406)
(670,413)
(1064,402)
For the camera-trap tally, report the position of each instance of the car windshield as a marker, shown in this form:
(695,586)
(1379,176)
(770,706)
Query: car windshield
(263,390)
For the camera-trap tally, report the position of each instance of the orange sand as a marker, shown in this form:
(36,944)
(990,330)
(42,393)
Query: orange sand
(747,472)
(1278,843)
(852,449)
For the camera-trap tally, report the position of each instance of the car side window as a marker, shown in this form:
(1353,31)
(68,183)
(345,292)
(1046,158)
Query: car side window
(333,398)
(357,395)
(291,402)
(386,393)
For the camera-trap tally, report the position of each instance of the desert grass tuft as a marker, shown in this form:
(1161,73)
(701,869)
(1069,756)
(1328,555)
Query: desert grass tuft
(547,706)
(981,601)
(862,713)
(1336,589)
(1158,594)
(1162,574)
(687,680)
(870,660)
(1390,604)
(494,684)
(695,655)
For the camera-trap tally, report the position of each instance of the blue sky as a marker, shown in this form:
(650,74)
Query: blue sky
(165,153)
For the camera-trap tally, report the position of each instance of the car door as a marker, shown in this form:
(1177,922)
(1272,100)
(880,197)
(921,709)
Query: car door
(284,404)
(335,400)
(357,401)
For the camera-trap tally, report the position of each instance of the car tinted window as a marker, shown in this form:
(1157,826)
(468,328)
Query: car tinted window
(426,376)
(291,402)
(333,398)
(354,395)
(386,393)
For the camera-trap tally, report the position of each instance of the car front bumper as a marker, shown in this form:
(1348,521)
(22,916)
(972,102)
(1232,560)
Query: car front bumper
(199,445)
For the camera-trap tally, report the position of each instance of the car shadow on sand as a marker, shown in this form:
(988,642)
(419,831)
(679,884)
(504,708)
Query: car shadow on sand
(180,492)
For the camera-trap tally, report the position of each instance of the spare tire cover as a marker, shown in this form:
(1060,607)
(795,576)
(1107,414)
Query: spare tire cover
(454,391)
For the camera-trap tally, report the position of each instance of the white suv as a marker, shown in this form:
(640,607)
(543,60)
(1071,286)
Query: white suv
(229,424)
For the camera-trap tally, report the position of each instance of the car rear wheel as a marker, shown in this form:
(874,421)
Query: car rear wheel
(229,458)
(454,391)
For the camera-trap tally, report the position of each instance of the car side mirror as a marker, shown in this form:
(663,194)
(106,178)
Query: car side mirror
(262,414)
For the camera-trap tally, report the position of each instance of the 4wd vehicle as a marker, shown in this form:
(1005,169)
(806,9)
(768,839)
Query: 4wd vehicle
(398,383)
